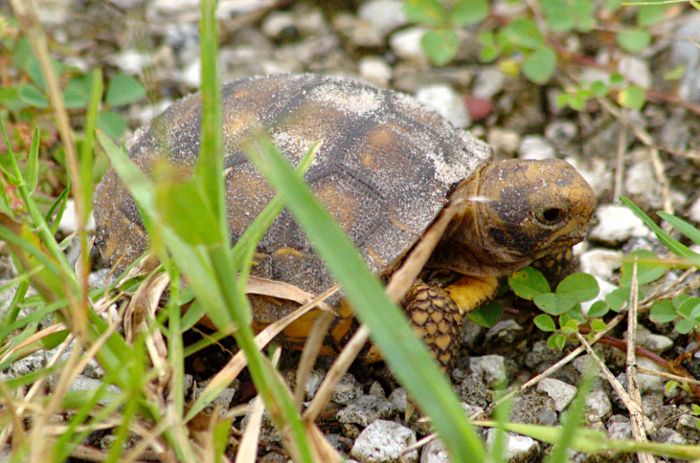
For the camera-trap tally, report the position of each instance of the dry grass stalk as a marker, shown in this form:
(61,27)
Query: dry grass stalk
(312,347)
(636,414)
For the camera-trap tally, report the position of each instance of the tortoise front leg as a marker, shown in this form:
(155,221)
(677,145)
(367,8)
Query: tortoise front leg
(437,313)
(436,318)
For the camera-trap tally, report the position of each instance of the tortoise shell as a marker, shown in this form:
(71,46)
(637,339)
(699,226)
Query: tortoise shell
(385,169)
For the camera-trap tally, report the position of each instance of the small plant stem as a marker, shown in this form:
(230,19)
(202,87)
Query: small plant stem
(636,416)
(631,405)
(647,139)
(618,188)
(670,376)
(26,15)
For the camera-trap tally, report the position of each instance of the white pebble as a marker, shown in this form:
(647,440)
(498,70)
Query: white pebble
(446,102)
(562,393)
(406,44)
(375,70)
(617,224)
(535,147)
(385,15)
(384,441)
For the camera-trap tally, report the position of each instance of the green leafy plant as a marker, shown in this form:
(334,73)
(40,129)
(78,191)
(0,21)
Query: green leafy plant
(441,42)
(528,42)
(30,94)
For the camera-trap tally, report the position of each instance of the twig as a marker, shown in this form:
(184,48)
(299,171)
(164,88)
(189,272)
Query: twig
(636,419)
(666,375)
(647,140)
(312,347)
(618,187)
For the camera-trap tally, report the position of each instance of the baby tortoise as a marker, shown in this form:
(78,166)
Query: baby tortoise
(385,170)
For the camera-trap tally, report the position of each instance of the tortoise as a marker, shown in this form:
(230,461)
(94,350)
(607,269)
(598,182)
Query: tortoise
(387,167)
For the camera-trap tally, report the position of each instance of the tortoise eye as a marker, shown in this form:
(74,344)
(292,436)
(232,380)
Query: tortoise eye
(551,216)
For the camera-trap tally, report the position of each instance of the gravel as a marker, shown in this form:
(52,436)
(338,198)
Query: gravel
(561,393)
(617,224)
(535,147)
(446,102)
(384,441)
(491,368)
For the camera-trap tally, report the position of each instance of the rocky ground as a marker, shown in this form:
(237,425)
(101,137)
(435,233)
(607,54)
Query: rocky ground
(158,42)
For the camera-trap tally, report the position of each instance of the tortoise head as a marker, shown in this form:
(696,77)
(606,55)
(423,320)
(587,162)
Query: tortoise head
(514,212)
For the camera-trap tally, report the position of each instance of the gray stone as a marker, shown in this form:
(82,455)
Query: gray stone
(617,224)
(598,406)
(375,70)
(636,70)
(518,448)
(601,263)
(541,356)
(489,82)
(445,101)
(687,425)
(384,15)
(473,390)
(535,147)
(434,452)
(406,44)
(504,142)
(224,398)
(561,132)
(649,383)
(491,368)
(640,180)
(562,393)
(367,409)
(277,22)
(534,407)
(313,382)
(384,441)
(359,32)
(399,398)
(694,211)
(684,52)
(669,436)
(505,331)
(82,383)
(346,390)
(619,427)
(652,341)
(131,61)
(376,389)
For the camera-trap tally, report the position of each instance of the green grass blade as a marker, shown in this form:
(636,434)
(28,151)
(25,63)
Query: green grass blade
(88,145)
(391,332)
(210,164)
(672,244)
(682,226)
(32,175)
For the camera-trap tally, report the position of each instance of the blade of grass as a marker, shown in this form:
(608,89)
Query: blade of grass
(672,244)
(682,226)
(210,164)
(593,441)
(391,332)
(32,175)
